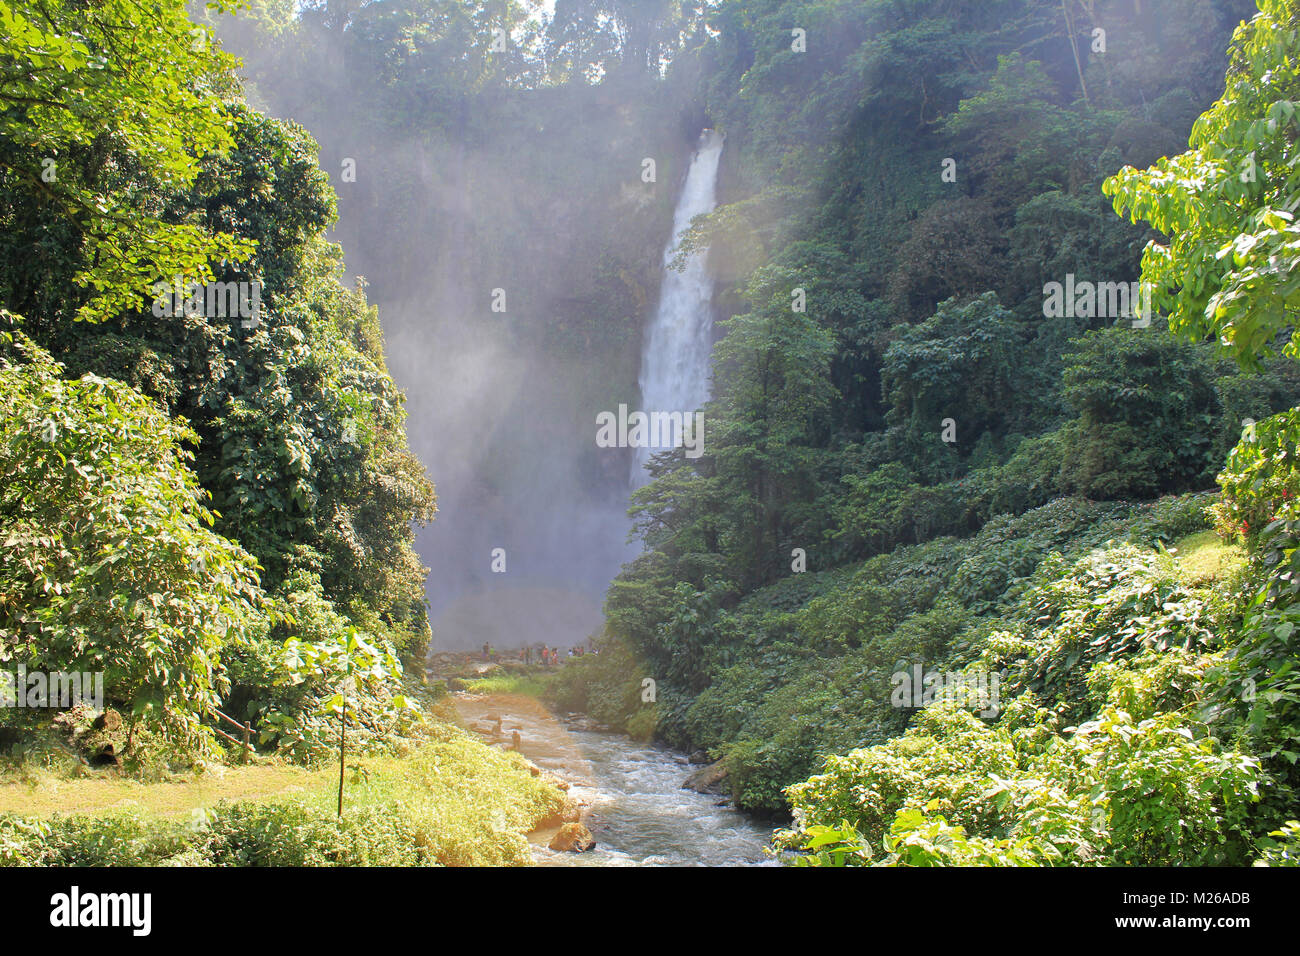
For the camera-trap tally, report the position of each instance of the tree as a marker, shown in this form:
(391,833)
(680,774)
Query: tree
(351,664)
(772,377)
(1228,271)
(956,364)
(109,561)
(105,108)
(1147,407)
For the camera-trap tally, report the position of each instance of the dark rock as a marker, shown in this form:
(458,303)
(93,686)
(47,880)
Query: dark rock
(710,779)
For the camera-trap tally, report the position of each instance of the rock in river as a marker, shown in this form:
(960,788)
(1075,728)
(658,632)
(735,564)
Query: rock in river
(708,779)
(573,837)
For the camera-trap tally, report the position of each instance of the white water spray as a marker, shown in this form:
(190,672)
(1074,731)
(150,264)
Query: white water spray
(675,358)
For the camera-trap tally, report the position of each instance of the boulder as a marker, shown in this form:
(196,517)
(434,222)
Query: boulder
(569,812)
(572,838)
(710,779)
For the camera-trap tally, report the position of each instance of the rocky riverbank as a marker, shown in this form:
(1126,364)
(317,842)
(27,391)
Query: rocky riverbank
(523,724)
(627,803)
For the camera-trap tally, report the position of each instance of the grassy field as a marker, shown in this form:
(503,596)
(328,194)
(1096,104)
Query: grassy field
(448,797)
(43,792)
(1205,557)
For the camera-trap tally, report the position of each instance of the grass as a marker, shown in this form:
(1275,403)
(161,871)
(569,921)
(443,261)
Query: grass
(472,803)
(1205,557)
(525,685)
(459,801)
(44,792)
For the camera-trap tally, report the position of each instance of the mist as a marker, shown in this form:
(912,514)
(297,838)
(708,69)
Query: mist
(514,262)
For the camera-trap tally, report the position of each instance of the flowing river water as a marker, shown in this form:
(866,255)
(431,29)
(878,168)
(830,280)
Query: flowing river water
(639,814)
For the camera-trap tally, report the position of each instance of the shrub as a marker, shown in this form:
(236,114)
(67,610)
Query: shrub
(289,834)
(114,839)
(1116,791)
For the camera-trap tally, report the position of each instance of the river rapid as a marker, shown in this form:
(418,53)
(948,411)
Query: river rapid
(638,812)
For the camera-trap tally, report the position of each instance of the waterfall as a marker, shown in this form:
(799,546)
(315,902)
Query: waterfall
(675,357)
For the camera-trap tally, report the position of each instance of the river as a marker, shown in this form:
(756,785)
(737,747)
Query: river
(639,814)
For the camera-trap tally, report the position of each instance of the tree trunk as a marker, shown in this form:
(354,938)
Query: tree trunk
(1074,45)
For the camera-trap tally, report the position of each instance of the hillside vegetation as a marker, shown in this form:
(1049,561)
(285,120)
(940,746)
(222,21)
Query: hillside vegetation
(933,470)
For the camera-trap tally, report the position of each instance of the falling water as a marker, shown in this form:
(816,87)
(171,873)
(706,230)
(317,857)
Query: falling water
(675,360)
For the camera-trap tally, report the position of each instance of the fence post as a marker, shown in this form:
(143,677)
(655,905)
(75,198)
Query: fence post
(248,733)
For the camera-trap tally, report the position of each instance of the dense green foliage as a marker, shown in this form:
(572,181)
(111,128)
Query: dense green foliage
(962,469)
(110,564)
(183,492)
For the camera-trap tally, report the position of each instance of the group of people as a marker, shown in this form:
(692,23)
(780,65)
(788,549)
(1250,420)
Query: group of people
(547,656)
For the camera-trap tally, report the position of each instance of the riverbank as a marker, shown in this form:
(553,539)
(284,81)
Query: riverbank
(630,795)
(445,800)
(520,723)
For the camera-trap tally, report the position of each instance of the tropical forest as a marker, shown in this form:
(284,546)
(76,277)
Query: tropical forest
(648,433)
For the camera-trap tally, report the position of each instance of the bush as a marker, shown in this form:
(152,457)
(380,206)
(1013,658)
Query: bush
(110,564)
(1116,791)
(607,686)
(115,839)
(288,834)
(1281,847)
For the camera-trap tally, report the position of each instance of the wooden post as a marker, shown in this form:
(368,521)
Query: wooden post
(248,747)
(343,742)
